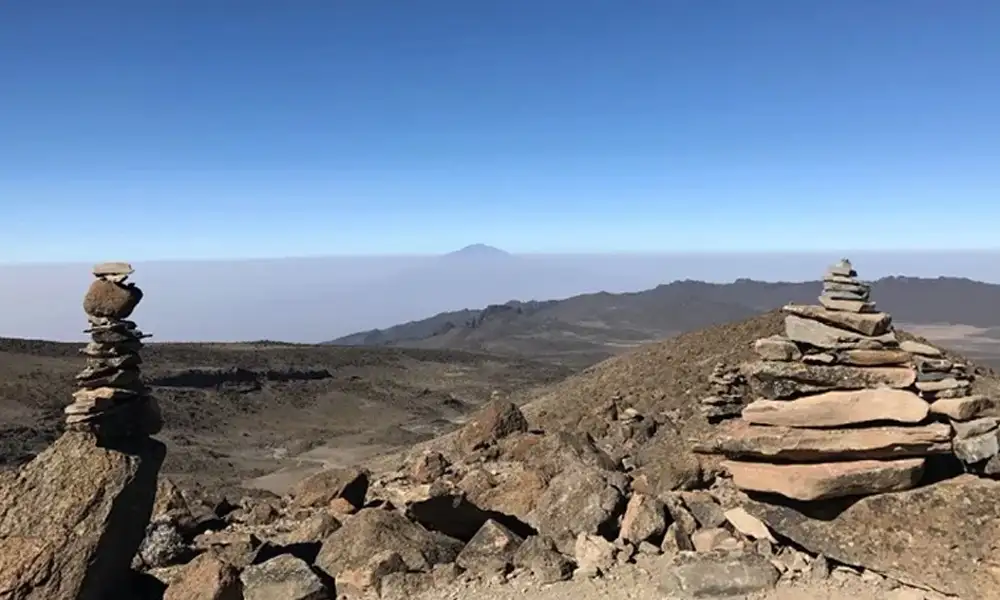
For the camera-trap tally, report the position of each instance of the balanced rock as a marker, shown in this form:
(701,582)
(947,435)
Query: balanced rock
(743,440)
(109,299)
(838,408)
(817,481)
(773,379)
(853,306)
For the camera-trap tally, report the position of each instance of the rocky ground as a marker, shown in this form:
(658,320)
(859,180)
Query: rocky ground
(237,411)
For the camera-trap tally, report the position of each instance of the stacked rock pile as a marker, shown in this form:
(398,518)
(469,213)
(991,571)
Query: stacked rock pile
(112,398)
(842,408)
(947,385)
(727,396)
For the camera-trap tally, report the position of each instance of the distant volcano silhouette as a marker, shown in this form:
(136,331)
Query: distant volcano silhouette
(478,251)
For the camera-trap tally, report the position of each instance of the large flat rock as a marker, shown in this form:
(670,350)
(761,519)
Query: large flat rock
(822,335)
(740,439)
(818,481)
(776,380)
(865,323)
(835,409)
(944,536)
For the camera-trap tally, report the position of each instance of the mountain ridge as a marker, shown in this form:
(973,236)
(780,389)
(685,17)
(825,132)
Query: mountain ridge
(589,327)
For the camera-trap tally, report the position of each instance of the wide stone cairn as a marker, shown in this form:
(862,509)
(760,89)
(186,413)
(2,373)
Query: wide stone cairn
(841,407)
(112,399)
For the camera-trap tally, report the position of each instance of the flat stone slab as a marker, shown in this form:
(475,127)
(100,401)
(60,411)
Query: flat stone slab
(873,358)
(821,335)
(941,536)
(113,268)
(773,379)
(961,409)
(740,439)
(839,408)
(777,347)
(809,482)
(870,323)
(849,306)
(919,348)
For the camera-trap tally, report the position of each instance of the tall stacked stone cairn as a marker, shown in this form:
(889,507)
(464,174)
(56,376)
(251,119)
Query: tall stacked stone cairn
(841,407)
(112,398)
(727,394)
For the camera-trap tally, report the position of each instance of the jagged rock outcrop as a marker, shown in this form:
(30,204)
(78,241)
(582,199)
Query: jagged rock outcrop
(75,516)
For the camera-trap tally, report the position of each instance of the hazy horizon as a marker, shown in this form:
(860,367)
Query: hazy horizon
(319,299)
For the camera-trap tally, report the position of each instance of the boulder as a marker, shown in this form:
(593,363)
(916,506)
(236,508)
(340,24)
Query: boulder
(665,464)
(285,577)
(944,536)
(73,518)
(538,554)
(372,530)
(865,323)
(740,439)
(371,574)
(817,481)
(495,421)
(821,335)
(206,578)
(706,575)
(838,408)
(594,554)
(428,467)
(645,519)
(778,380)
(580,500)
(321,488)
(491,550)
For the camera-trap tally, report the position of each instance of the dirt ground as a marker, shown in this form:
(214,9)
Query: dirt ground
(642,581)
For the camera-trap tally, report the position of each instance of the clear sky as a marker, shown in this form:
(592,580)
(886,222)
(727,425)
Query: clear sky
(217,129)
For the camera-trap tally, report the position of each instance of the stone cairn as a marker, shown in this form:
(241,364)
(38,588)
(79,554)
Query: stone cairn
(726,399)
(112,399)
(842,407)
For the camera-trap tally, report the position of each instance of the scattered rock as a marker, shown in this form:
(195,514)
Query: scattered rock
(320,489)
(645,519)
(284,577)
(495,421)
(538,555)
(703,576)
(491,550)
(748,525)
(206,578)
(594,554)
(580,500)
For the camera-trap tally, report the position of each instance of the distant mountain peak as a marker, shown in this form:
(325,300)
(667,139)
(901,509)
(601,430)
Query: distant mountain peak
(478,251)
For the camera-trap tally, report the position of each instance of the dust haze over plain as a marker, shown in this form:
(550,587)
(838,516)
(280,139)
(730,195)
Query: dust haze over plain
(318,299)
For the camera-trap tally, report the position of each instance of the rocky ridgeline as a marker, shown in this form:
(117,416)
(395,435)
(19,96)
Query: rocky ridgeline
(727,394)
(844,408)
(112,398)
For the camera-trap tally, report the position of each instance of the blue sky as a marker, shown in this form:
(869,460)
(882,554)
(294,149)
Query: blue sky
(212,129)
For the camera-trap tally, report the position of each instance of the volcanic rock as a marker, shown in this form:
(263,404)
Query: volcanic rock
(538,554)
(285,577)
(495,421)
(961,409)
(706,575)
(820,335)
(206,578)
(744,440)
(777,380)
(942,536)
(111,300)
(837,408)
(580,500)
(817,481)
(491,550)
(868,324)
(73,518)
(645,518)
(323,487)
